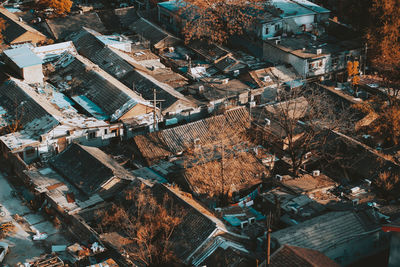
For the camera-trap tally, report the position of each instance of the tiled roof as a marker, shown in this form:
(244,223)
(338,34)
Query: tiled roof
(241,170)
(192,231)
(300,257)
(96,85)
(62,27)
(88,167)
(174,140)
(321,232)
(14,27)
(149,31)
(113,62)
(19,104)
(126,15)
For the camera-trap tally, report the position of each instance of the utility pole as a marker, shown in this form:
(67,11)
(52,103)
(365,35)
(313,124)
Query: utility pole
(154,110)
(269,238)
(365,57)
(222,167)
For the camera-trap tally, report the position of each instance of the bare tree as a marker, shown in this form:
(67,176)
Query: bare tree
(146,221)
(304,118)
(222,165)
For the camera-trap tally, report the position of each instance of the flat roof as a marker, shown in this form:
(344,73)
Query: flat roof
(291,9)
(172,6)
(23,57)
(312,6)
(303,45)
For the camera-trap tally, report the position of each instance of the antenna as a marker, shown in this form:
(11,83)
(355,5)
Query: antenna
(154,110)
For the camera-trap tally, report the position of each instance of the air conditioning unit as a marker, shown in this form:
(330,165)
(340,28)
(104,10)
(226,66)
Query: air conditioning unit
(201,89)
(171,49)
(197,141)
(278,41)
(244,224)
(218,209)
(316,173)
(278,177)
(267,78)
(267,121)
(314,37)
(308,155)
(319,51)
(225,81)
(355,201)
(355,189)
(252,104)
(236,72)
(252,220)
(368,182)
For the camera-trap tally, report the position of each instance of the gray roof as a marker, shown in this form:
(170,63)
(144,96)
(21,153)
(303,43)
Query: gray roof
(63,26)
(112,62)
(112,97)
(194,229)
(23,57)
(171,141)
(149,31)
(88,167)
(19,105)
(14,27)
(322,232)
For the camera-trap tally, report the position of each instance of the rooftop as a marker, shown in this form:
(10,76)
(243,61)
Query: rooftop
(300,257)
(325,231)
(63,26)
(304,46)
(158,145)
(16,28)
(92,171)
(289,9)
(312,6)
(23,57)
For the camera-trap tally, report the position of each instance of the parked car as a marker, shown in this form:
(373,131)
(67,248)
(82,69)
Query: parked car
(3,251)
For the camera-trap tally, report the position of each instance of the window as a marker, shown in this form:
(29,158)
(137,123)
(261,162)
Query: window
(335,62)
(266,30)
(314,65)
(92,135)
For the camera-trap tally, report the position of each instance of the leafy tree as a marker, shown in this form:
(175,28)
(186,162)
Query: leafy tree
(217,20)
(353,72)
(59,6)
(387,120)
(383,41)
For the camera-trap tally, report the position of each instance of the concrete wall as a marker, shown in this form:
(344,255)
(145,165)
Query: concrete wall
(273,29)
(394,257)
(33,74)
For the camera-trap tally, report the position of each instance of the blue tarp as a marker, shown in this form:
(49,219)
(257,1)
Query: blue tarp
(90,107)
(232,220)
